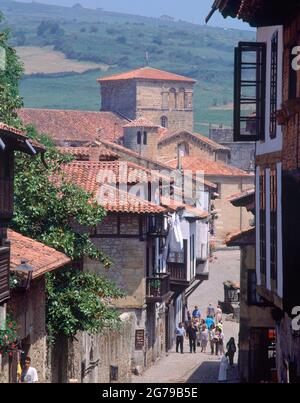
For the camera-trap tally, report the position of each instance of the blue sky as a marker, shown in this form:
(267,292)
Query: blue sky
(190,10)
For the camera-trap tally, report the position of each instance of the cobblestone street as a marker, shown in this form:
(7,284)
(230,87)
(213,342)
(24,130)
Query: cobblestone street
(200,367)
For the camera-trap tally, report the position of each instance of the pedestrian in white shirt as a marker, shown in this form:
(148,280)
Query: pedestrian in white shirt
(29,374)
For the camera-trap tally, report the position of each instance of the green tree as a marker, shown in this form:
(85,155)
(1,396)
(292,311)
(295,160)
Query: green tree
(10,73)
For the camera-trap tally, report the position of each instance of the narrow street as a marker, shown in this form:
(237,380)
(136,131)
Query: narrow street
(200,367)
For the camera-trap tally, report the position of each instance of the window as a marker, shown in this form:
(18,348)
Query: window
(164,121)
(181,99)
(273,195)
(273,85)
(139,137)
(292,75)
(250,91)
(262,223)
(172,99)
(183,149)
(145,138)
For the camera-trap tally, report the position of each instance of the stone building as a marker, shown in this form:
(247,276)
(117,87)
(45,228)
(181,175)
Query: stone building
(166,99)
(242,154)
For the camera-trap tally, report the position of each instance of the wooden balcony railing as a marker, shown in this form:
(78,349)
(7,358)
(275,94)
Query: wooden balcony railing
(157,288)
(4,274)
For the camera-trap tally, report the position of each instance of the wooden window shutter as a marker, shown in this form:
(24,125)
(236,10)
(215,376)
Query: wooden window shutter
(249,91)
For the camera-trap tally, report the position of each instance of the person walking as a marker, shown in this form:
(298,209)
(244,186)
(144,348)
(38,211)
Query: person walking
(204,339)
(223,369)
(28,374)
(180,333)
(208,322)
(196,313)
(219,341)
(192,332)
(231,350)
(219,315)
(210,312)
(211,336)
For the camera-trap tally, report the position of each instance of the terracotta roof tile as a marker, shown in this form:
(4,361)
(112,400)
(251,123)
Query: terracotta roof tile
(160,165)
(167,136)
(147,73)
(65,126)
(89,153)
(210,168)
(114,200)
(174,205)
(42,258)
(141,122)
(11,129)
(97,177)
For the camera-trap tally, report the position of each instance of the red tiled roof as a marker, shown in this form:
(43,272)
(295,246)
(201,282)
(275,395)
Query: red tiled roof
(74,126)
(88,153)
(110,172)
(147,73)
(42,258)
(114,200)
(160,165)
(141,122)
(11,129)
(96,178)
(210,168)
(167,136)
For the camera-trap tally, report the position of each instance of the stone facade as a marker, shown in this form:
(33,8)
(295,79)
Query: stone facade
(242,154)
(123,238)
(157,100)
(148,144)
(187,145)
(230,219)
(92,358)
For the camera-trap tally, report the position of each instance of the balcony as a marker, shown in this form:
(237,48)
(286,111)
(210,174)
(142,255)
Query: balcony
(4,274)
(157,288)
(177,268)
(202,270)
(156,227)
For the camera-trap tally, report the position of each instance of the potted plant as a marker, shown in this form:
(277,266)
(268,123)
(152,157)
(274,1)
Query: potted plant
(155,287)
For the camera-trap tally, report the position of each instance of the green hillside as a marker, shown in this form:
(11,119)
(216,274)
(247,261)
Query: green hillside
(121,41)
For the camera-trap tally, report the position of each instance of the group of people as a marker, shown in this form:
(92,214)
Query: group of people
(203,332)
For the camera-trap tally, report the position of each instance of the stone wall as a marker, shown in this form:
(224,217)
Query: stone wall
(242,154)
(128,255)
(148,150)
(119,97)
(230,219)
(89,358)
(169,150)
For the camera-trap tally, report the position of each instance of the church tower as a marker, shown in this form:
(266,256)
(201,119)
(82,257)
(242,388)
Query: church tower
(166,99)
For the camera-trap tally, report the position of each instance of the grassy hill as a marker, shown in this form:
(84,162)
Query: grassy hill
(120,42)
